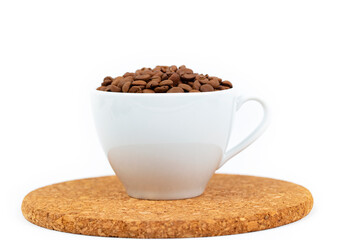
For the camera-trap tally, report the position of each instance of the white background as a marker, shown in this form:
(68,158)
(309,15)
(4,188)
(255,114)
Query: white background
(302,57)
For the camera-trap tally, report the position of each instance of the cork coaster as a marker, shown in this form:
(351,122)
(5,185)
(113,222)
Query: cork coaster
(231,204)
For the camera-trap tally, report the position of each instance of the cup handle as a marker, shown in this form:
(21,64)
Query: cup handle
(253,135)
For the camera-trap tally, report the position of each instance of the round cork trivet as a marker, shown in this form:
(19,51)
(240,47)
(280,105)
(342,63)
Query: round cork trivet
(231,204)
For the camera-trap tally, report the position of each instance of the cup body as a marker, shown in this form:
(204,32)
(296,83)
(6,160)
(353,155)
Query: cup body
(164,146)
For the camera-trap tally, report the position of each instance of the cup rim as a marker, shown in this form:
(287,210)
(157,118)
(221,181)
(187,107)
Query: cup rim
(230,90)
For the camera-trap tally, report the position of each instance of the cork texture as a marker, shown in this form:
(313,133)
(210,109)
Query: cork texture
(231,204)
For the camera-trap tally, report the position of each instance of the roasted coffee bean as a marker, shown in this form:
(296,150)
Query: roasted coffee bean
(204,81)
(215,78)
(227,84)
(128,74)
(173,68)
(185,87)
(116,81)
(157,68)
(164,69)
(126,87)
(223,88)
(107,81)
(135,89)
(175,90)
(115,88)
(148,91)
(161,89)
(175,78)
(157,74)
(129,78)
(148,71)
(197,85)
(214,83)
(188,76)
(164,76)
(206,88)
(122,82)
(201,76)
(139,83)
(183,71)
(152,84)
(142,77)
(188,70)
(156,78)
(163,79)
(166,82)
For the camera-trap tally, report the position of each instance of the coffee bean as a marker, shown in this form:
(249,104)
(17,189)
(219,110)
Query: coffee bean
(152,84)
(223,87)
(135,89)
(166,82)
(169,74)
(206,88)
(194,90)
(128,74)
(129,79)
(204,81)
(185,87)
(126,86)
(215,83)
(215,78)
(164,68)
(143,77)
(107,88)
(157,74)
(161,89)
(164,76)
(175,78)
(183,71)
(115,88)
(173,68)
(188,70)
(139,83)
(200,76)
(101,88)
(107,81)
(148,71)
(148,91)
(227,84)
(188,76)
(156,78)
(157,68)
(122,82)
(197,85)
(117,81)
(175,90)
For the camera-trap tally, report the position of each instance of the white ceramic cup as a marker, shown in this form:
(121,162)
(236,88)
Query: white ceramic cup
(167,146)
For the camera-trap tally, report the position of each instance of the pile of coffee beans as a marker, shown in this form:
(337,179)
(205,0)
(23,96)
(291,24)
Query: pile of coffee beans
(164,79)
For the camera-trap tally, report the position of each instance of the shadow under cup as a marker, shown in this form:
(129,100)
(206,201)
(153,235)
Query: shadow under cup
(164,146)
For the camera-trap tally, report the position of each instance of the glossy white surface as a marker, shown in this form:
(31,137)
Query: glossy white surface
(167,146)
